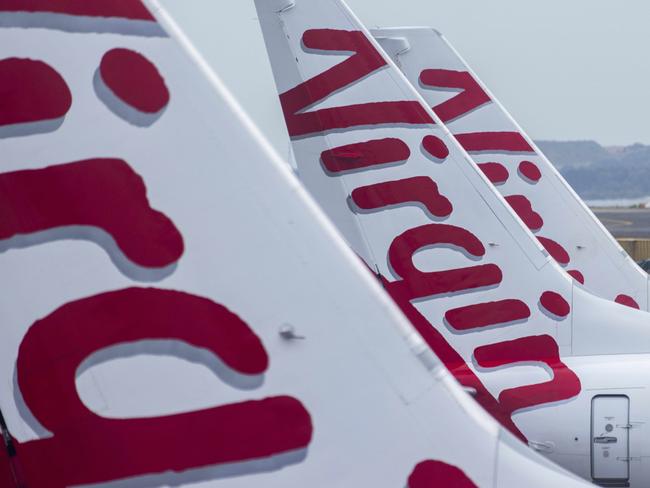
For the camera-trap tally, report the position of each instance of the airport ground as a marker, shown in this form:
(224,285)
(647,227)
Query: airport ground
(630,226)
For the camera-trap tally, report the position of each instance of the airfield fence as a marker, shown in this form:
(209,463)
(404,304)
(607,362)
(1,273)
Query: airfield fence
(638,249)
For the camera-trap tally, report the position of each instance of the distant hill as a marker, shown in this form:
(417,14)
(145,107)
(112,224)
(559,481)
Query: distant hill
(598,172)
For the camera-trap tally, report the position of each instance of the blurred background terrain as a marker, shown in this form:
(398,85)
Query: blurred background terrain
(615,183)
(618,174)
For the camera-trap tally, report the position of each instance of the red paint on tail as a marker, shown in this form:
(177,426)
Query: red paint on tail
(577,275)
(470,97)
(365,61)
(435,147)
(103,193)
(529,172)
(125,9)
(31,91)
(495,172)
(565,383)
(522,207)
(627,301)
(134,79)
(434,474)
(555,250)
(555,303)
(494,141)
(419,189)
(83,447)
(367,154)
(487,314)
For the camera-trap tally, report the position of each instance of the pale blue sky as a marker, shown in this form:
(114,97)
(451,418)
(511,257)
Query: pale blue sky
(566,69)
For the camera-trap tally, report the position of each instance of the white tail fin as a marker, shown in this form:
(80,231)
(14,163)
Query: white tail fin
(512,161)
(261,352)
(475,282)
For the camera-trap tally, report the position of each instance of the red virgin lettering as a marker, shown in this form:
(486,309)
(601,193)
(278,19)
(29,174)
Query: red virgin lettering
(470,97)
(495,172)
(528,171)
(7,473)
(555,304)
(435,147)
(628,301)
(83,447)
(487,314)
(416,190)
(32,91)
(363,155)
(577,275)
(524,209)
(126,9)
(564,385)
(102,193)
(556,251)
(432,474)
(453,361)
(364,61)
(494,142)
(134,80)
(420,284)
(412,283)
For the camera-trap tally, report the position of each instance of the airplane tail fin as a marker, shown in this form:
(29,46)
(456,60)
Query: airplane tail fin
(467,266)
(176,309)
(515,165)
